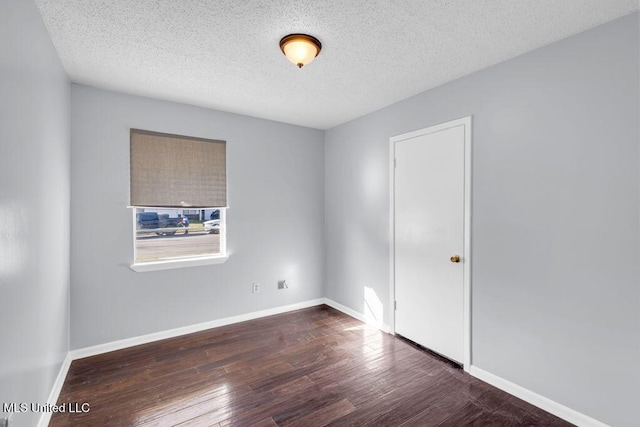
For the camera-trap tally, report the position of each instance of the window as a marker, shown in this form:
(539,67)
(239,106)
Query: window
(179,199)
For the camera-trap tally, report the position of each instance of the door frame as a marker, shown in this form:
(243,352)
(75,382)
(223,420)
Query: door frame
(466,254)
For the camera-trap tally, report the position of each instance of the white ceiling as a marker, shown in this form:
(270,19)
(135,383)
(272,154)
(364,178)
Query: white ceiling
(224,54)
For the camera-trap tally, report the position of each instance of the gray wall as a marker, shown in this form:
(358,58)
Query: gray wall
(556,205)
(555,229)
(34,208)
(275,219)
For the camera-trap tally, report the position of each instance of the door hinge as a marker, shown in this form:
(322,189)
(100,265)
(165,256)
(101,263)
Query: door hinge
(395,305)
(395,162)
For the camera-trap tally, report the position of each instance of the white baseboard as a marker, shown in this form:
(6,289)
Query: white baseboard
(350,312)
(535,399)
(144,339)
(55,390)
(529,396)
(172,333)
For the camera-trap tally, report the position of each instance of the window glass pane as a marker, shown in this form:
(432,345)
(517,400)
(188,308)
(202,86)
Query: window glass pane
(167,234)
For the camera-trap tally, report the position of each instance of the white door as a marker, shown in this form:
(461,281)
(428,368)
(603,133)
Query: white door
(429,216)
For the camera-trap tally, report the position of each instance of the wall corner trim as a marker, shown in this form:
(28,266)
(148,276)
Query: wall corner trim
(356,315)
(55,390)
(535,399)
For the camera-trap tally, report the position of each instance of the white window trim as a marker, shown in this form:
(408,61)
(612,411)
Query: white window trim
(178,263)
(141,267)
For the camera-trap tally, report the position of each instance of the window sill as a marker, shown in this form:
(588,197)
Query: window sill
(179,263)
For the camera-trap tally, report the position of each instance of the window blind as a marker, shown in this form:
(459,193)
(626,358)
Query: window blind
(177,171)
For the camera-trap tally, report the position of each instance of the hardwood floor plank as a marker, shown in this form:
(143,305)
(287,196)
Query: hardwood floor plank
(310,367)
(466,416)
(449,404)
(301,405)
(326,415)
(416,402)
(511,414)
(267,422)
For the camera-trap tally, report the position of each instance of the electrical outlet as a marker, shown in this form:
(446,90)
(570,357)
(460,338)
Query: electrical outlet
(282,284)
(256,288)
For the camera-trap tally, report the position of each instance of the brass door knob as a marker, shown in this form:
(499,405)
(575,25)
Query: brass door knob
(455,258)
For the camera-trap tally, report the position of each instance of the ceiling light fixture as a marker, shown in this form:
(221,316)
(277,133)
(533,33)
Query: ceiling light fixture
(300,48)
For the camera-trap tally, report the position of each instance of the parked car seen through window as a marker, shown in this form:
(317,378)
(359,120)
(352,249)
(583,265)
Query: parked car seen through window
(166,234)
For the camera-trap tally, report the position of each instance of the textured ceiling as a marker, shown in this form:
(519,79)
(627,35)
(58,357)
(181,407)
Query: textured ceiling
(224,54)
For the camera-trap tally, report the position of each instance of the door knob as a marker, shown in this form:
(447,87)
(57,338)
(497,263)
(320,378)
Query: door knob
(455,258)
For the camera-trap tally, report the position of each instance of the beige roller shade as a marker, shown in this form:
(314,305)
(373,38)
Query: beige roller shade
(177,171)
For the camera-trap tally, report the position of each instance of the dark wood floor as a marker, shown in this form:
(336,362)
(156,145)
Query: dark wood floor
(312,367)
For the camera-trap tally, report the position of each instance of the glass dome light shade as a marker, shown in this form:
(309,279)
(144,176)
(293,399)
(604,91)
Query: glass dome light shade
(300,49)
